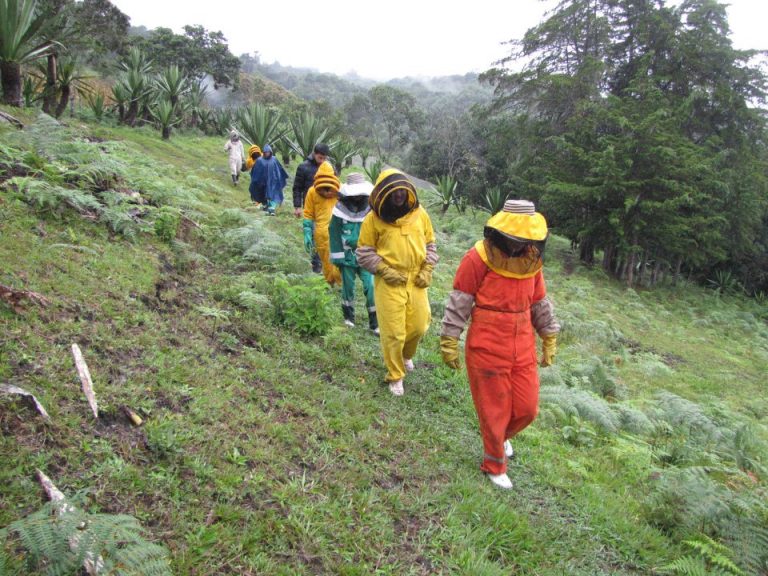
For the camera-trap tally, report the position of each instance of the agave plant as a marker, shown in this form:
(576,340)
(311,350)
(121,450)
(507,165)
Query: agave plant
(493,200)
(20,43)
(283,149)
(30,91)
(306,131)
(261,125)
(138,88)
(342,153)
(121,96)
(199,114)
(445,190)
(68,77)
(374,170)
(172,84)
(136,60)
(165,115)
(222,120)
(364,153)
(97,105)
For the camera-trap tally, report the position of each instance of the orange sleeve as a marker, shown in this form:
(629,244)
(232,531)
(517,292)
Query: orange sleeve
(470,273)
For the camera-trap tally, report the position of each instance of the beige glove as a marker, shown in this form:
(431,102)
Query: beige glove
(449,350)
(548,349)
(424,277)
(391,276)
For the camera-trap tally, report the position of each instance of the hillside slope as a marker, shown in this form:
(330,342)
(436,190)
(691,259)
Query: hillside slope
(264,451)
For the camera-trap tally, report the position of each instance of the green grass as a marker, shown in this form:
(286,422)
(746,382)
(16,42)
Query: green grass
(267,452)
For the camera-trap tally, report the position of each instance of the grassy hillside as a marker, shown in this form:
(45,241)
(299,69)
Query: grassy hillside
(265,451)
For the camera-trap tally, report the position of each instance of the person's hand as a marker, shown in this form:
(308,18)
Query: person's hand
(449,350)
(424,277)
(298,212)
(548,349)
(391,276)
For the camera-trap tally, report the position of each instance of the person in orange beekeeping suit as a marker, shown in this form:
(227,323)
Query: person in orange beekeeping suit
(318,208)
(500,284)
(397,245)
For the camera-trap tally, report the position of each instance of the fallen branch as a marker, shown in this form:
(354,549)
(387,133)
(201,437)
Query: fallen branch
(93,565)
(13,120)
(85,379)
(14,298)
(11,389)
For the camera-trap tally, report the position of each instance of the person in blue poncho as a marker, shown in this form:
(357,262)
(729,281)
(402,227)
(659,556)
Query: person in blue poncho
(268,178)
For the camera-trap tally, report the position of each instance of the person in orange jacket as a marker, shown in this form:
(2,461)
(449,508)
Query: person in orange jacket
(500,284)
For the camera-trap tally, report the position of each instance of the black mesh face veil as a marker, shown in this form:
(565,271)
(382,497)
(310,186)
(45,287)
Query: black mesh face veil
(513,246)
(354,203)
(390,212)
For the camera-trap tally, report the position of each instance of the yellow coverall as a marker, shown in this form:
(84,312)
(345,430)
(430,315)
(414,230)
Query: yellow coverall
(403,311)
(319,209)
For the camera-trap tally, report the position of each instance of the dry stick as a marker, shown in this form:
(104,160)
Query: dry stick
(13,120)
(11,389)
(85,378)
(92,566)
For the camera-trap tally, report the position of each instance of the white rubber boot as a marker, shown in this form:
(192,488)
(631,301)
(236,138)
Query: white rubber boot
(408,364)
(509,452)
(397,388)
(501,480)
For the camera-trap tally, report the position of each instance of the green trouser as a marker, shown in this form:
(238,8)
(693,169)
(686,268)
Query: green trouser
(348,276)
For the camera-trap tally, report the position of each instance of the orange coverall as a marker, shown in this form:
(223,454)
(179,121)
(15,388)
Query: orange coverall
(500,353)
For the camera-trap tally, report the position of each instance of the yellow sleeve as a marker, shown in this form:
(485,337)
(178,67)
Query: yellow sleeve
(309,204)
(368,235)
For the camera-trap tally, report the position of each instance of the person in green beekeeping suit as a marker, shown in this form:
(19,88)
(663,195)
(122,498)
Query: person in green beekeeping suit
(347,217)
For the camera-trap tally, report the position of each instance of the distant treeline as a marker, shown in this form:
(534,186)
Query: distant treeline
(636,127)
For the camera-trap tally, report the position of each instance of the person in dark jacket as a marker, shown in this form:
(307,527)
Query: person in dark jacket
(302,181)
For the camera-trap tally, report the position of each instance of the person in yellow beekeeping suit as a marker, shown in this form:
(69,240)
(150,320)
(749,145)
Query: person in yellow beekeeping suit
(318,207)
(397,244)
(254,153)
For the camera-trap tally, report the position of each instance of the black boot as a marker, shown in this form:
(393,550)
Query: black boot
(349,315)
(373,322)
(317,264)
(234,179)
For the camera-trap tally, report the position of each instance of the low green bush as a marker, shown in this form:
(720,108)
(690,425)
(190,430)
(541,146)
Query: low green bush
(304,304)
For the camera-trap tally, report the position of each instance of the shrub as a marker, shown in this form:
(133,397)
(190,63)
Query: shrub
(304,304)
(167,222)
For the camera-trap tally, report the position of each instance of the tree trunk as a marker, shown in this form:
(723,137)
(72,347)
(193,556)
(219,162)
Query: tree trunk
(587,252)
(63,101)
(656,270)
(49,92)
(11,81)
(166,132)
(678,268)
(608,259)
(133,111)
(641,271)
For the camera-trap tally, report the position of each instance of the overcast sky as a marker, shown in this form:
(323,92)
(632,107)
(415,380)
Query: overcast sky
(384,40)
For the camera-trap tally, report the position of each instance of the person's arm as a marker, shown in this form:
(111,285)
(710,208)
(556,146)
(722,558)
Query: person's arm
(367,257)
(299,185)
(424,277)
(544,321)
